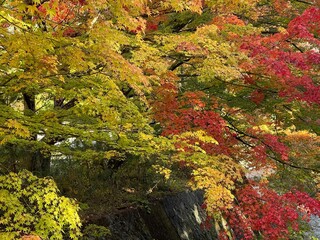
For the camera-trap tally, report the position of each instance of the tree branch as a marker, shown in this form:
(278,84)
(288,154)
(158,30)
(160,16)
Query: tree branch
(234,128)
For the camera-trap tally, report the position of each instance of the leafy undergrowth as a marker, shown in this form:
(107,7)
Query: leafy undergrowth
(33,206)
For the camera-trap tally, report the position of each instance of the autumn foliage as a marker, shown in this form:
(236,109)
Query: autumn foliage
(210,92)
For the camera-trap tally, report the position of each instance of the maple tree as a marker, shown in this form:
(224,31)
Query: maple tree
(251,106)
(215,88)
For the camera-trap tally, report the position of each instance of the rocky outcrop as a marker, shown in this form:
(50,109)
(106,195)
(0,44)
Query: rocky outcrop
(176,217)
(186,215)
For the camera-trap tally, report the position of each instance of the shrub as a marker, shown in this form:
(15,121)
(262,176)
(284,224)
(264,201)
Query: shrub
(93,231)
(31,206)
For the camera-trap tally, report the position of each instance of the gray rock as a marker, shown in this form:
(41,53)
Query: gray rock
(176,217)
(185,212)
(315,227)
(127,224)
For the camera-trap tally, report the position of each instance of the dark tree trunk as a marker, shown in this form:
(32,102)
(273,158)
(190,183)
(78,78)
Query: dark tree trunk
(36,161)
(40,163)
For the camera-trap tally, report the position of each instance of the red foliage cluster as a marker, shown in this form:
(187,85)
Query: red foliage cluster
(306,26)
(276,146)
(153,22)
(289,59)
(151,27)
(189,114)
(64,10)
(260,210)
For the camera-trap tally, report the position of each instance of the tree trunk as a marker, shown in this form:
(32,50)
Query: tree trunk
(36,161)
